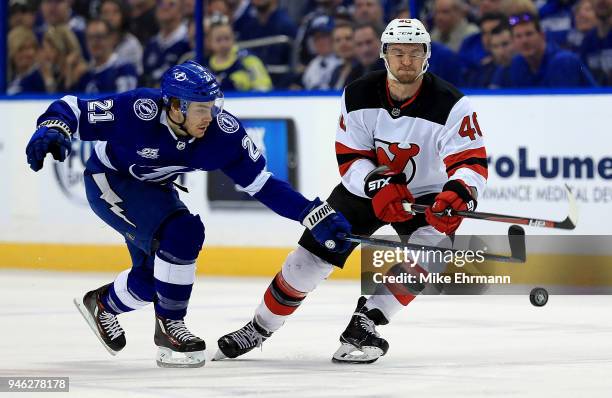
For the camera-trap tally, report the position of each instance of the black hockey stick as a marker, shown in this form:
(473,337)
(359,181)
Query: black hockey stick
(516,238)
(569,222)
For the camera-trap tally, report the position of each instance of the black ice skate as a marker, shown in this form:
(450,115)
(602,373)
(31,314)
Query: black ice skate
(360,341)
(102,323)
(172,336)
(241,341)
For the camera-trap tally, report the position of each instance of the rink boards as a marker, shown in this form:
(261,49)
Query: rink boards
(536,143)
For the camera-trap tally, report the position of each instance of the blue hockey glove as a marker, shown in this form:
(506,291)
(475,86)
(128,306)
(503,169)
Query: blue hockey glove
(326,225)
(47,140)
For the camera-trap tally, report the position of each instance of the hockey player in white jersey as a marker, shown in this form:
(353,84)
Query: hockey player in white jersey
(427,134)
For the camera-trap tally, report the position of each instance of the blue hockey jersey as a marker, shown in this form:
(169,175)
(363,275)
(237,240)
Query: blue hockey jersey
(134,139)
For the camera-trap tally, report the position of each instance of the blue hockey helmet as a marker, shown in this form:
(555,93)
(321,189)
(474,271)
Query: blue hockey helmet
(189,82)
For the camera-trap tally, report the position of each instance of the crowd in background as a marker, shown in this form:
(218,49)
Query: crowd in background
(98,46)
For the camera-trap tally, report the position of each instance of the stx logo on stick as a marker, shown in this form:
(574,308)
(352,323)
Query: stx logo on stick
(377,184)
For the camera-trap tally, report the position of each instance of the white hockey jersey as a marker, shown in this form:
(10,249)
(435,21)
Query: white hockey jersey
(432,137)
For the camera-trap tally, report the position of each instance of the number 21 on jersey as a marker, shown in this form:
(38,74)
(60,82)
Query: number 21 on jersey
(99,111)
(466,129)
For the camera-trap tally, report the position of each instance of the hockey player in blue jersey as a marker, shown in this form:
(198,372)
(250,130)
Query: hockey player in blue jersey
(145,139)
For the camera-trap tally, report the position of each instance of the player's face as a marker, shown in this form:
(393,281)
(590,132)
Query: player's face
(199,116)
(406,61)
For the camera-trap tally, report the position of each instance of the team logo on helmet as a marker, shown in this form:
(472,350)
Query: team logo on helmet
(180,76)
(145,109)
(227,123)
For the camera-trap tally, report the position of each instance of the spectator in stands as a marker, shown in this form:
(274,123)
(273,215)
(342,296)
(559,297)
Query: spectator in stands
(61,61)
(475,48)
(304,42)
(143,23)
(318,73)
(556,18)
(502,52)
(367,50)
(127,47)
(24,75)
(239,10)
(538,63)
(490,7)
(265,20)
(584,21)
(236,70)
(344,48)
(218,7)
(22,13)
(59,12)
(106,73)
(450,24)
(369,12)
(168,46)
(188,10)
(596,49)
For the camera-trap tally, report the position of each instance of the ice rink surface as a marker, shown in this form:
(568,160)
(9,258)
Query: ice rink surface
(440,346)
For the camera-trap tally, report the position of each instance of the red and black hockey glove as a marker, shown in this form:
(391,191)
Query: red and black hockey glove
(455,195)
(387,191)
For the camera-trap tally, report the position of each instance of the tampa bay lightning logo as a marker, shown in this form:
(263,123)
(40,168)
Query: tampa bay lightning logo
(180,76)
(145,109)
(227,123)
(156,173)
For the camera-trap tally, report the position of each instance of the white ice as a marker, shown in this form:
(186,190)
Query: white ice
(444,346)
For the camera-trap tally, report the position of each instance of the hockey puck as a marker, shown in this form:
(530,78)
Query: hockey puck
(538,296)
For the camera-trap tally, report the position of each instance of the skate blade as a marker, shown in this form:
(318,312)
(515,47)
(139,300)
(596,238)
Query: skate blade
(165,358)
(219,356)
(349,354)
(92,323)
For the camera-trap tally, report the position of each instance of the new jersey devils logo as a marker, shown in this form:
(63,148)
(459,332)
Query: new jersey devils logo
(397,158)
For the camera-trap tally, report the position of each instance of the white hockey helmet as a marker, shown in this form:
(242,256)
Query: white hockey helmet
(405,31)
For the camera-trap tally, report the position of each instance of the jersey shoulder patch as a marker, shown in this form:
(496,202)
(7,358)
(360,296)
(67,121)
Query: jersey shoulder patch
(227,123)
(145,108)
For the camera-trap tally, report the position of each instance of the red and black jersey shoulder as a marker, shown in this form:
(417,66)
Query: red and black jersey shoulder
(434,100)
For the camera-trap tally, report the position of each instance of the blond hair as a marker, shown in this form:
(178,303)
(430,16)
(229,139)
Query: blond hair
(63,39)
(17,38)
